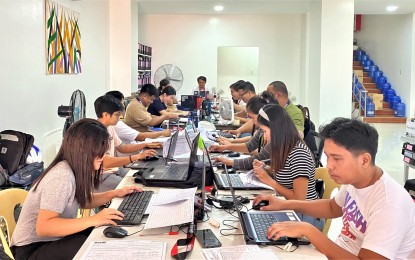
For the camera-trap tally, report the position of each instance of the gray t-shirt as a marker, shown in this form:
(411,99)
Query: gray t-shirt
(55,192)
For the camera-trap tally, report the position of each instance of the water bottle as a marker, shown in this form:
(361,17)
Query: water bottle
(189,122)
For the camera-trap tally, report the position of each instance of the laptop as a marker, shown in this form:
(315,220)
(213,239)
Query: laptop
(173,171)
(255,223)
(140,164)
(188,101)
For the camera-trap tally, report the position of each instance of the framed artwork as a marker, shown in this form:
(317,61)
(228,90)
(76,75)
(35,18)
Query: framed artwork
(63,40)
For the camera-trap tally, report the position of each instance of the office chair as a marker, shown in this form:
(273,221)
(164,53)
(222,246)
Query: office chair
(322,173)
(10,198)
(316,145)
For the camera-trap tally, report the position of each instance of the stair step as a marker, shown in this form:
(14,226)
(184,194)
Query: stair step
(356,63)
(373,90)
(385,119)
(385,112)
(368,80)
(365,74)
(386,105)
(369,85)
(357,67)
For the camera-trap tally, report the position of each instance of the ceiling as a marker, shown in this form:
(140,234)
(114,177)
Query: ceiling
(263,6)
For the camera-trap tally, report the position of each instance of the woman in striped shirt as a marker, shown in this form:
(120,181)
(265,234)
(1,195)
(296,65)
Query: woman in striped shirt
(292,168)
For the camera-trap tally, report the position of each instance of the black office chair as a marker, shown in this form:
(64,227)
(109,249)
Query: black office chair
(316,145)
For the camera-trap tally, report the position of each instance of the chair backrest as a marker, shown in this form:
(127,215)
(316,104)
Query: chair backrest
(10,198)
(322,173)
(316,145)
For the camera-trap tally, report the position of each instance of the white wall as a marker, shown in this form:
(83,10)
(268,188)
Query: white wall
(29,98)
(388,39)
(191,42)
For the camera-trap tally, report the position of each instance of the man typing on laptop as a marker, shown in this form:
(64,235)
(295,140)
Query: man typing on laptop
(378,214)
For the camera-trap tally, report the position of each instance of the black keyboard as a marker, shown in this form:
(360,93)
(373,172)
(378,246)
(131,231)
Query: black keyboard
(261,224)
(175,171)
(133,207)
(225,134)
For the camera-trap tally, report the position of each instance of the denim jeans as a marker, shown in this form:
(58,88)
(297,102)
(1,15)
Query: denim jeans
(317,222)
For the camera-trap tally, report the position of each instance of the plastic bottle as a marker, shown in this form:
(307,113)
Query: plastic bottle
(189,122)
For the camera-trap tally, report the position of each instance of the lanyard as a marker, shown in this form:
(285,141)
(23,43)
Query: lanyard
(187,242)
(286,105)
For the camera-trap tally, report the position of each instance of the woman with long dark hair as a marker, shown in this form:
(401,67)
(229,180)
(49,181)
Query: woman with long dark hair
(292,168)
(48,227)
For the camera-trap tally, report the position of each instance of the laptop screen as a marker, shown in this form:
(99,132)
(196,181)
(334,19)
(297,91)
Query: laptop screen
(172,147)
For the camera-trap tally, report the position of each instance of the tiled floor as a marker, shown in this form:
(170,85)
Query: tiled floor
(389,158)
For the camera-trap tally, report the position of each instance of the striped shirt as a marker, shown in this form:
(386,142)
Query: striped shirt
(299,163)
(246,163)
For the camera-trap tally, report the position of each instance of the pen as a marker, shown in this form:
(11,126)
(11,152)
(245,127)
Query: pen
(171,233)
(266,160)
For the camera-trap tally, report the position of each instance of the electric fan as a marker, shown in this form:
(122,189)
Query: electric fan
(226,111)
(216,95)
(170,72)
(75,111)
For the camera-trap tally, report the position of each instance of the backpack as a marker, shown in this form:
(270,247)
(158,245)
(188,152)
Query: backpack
(308,124)
(14,148)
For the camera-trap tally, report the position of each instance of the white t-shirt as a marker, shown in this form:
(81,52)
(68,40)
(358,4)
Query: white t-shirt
(115,141)
(206,89)
(125,133)
(380,218)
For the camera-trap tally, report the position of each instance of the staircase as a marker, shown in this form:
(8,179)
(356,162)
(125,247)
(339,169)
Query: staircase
(386,114)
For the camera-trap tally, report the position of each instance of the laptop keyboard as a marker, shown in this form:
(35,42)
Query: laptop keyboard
(175,170)
(133,207)
(261,223)
(150,164)
(235,179)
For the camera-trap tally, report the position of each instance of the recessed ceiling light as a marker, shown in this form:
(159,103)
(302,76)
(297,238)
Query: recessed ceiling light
(218,8)
(391,8)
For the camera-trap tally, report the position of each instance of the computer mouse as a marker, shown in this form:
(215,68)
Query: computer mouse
(139,172)
(115,232)
(234,154)
(262,203)
(230,171)
(138,178)
(151,158)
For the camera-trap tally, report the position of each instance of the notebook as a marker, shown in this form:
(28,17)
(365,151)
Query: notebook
(173,171)
(140,164)
(255,223)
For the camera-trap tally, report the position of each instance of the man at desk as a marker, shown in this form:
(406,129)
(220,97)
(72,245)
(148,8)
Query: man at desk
(201,82)
(138,117)
(378,213)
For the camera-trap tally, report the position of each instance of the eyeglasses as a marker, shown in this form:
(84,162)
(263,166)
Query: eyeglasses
(243,94)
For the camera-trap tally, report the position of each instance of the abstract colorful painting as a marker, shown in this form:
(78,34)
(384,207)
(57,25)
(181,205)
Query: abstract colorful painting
(63,40)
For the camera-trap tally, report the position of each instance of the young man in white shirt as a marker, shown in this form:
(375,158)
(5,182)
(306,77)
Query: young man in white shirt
(378,213)
(108,110)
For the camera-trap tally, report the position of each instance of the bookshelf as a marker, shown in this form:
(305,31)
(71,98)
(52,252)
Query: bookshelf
(144,65)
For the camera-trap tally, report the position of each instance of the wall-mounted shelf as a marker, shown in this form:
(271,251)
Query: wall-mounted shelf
(144,65)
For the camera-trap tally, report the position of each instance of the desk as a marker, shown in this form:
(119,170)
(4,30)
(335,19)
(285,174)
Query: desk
(303,252)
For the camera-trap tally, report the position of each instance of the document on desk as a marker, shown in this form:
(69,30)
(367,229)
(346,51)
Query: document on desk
(167,196)
(179,201)
(250,180)
(126,250)
(238,252)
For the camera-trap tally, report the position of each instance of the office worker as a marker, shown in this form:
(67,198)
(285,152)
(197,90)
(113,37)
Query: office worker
(137,116)
(292,169)
(280,92)
(201,85)
(108,110)
(48,227)
(248,144)
(246,91)
(158,107)
(239,105)
(378,213)
(166,83)
(128,134)
(258,146)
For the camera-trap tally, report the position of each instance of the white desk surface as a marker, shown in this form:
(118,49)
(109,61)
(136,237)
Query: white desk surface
(303,252)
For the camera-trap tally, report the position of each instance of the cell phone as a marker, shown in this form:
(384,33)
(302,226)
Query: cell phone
(207,238)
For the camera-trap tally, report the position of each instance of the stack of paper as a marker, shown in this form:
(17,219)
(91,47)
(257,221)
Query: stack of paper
(179,201)
(250,180)
(238,253)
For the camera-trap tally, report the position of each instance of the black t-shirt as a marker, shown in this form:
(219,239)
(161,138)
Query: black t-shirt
(156,107)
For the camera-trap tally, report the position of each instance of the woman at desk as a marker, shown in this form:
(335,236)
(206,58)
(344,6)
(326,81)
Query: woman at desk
(48,227)
(292,168)
(159,107)
(255,145)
